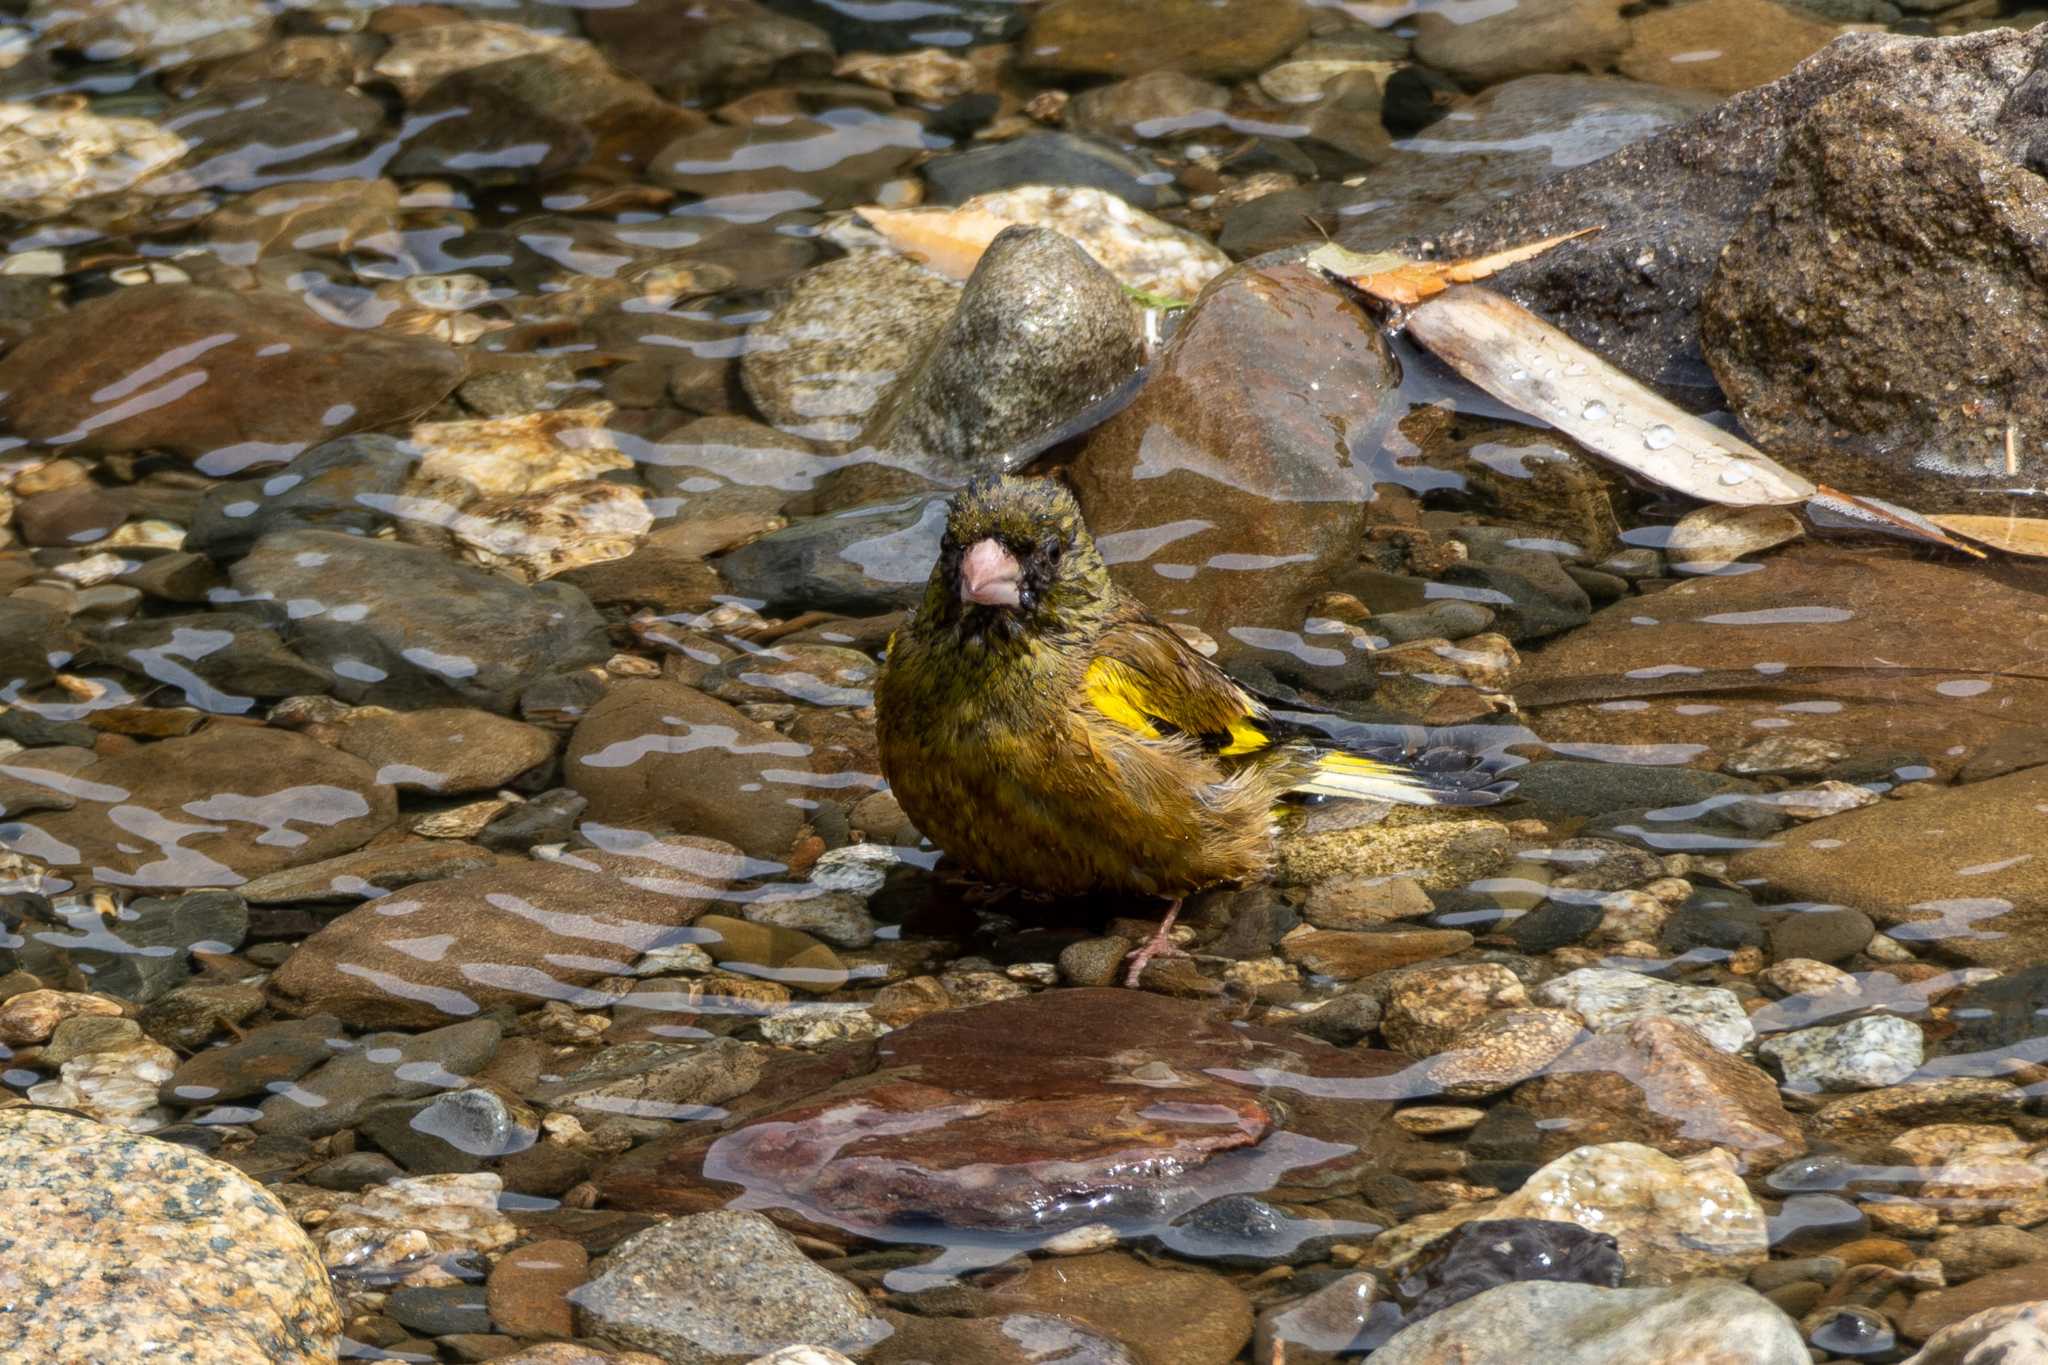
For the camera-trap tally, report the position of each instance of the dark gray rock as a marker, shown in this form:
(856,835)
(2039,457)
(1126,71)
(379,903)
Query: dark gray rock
(1555,924)
(1345,1021)
(274,1055)
(220,661)
(450,1133)
(1670,203)
(29,634)
(864,561)
(1562,788)
(344,485)
(1247,1231)
(1040,334)
(1046,159)
(550,818)
(383,1066)
(439,1310)
(156,939)
(2008,1013)
(356,1171)
(1902,243)
(1824,933)
(1479,1256)
(1531,596)
(406,626)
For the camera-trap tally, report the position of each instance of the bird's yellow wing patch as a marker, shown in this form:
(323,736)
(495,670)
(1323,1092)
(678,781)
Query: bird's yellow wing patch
(1119,693)
(1128,697)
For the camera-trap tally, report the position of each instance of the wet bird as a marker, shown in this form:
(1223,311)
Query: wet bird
(1040,727)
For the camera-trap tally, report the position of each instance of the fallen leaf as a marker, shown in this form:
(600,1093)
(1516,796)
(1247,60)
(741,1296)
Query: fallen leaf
(1533,367)
(2026,536)
(949,242)
(1393,278)
(1852,511)
(1712,538)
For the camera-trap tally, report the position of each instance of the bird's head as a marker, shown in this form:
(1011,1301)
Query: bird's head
(1016,555)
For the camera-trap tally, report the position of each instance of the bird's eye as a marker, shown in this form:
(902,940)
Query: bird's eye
(1054,549)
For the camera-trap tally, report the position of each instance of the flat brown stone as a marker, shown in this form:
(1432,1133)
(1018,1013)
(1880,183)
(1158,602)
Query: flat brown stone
(1931,1312)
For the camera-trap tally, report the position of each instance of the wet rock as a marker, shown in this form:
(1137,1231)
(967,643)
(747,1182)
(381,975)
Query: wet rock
(1850,608)
(53,158)
(1126,37)
(1236,456)
(1166,1316)
(75,515)
(1153,104)
(1063,1147)
(146,950)
(251,134)
(382,1066)
(1722,46)
(1863,1054)
(274,378)
(445,750)
(1500,1050)
(154,34)
(710,1287)
(1348,956)
(847,333)
(1558,788)
(29,634)
(690,49)
(440,1309)
(1504,142)
(1556,35)
(830,162)
(1672,1220)
(2011,1332)
(189,1016)
(365,874)
(655,756)
(2000,1014)
(1341,1316)
(1898,862)
(1605,998)
(403,625)
(1480,1256)
(1671,202)
(1940,1308)
(1831,934)
(1966,1253)
(1875,1117)
(335,486)
(1800,268)
(657,1080)
(1426,1008)
(1703,1324)
(118,1087)
(394,1227)
(418,58)
(222,805)
(1041,332)
(1659,1083)
(273,1055)
(222,662)
(865,560)
(1059,159)
(528,1289)
(566,103)
(454,948)
(123,1247)
(513,457)
(456,1131)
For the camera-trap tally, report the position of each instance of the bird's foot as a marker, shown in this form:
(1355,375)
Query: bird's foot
(1161,944)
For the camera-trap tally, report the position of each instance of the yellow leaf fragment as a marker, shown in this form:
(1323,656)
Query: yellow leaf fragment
(949,242)
(2027,536)
(1393,278)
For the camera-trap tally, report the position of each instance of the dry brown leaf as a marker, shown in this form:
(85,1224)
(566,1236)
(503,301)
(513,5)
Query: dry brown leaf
(948,242)
(1530,365)
(1393,278)
(2027,536)
(1711,538)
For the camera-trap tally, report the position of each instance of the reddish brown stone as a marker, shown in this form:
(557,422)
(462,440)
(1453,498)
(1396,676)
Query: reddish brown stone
(527,1291)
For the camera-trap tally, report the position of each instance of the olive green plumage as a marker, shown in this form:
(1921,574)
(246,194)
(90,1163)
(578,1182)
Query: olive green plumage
(1041,728)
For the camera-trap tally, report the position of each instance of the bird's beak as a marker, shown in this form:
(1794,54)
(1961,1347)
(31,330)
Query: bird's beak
(989,575)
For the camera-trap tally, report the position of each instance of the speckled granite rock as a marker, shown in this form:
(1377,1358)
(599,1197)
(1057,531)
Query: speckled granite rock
(1606,998)
(1863,1054)
(714,1286)
(119,1248)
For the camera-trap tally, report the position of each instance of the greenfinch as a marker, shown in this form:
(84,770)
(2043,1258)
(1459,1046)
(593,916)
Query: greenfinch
(1041,728)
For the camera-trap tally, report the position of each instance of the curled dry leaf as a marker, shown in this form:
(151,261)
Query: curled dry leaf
(1830,507)
(1714,537)
(949,242)
(1393,278)
(2026,536)
(1531,366)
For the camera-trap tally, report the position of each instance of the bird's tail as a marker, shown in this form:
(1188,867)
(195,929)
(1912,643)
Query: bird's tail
(1429,777)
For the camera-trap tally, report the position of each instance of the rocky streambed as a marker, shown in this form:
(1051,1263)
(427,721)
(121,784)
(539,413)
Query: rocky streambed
(461,470)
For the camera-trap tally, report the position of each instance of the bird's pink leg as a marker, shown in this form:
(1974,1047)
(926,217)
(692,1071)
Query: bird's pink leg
(1161,944)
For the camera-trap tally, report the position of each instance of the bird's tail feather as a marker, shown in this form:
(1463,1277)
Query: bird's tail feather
(1433,777)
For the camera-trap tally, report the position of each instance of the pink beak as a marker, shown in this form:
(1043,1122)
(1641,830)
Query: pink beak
(989,575)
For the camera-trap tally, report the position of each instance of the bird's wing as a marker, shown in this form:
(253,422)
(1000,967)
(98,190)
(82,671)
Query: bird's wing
(1148,680)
